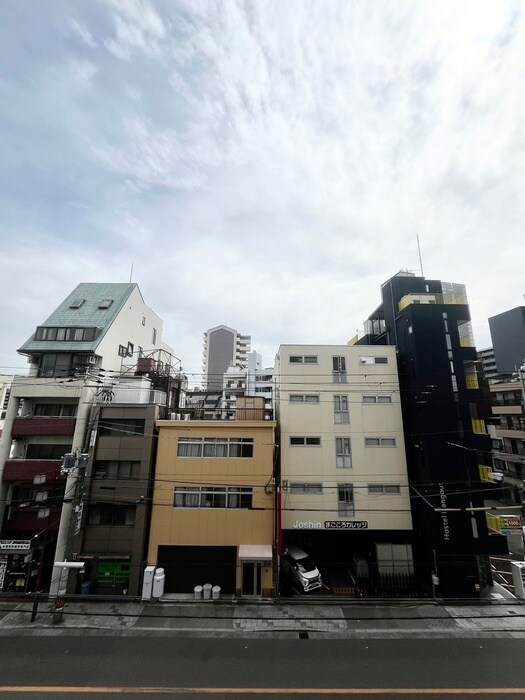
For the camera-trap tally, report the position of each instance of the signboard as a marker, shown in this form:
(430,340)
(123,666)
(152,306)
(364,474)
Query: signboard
(510,524)
(346,525)
(15,545)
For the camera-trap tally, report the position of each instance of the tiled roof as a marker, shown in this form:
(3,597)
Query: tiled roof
(88,315)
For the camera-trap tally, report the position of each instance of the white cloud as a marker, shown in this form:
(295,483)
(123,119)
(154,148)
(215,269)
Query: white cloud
(82,32)
(273,164)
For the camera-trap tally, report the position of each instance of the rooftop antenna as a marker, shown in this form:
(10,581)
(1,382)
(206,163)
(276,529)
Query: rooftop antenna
(131,272)
(419,251)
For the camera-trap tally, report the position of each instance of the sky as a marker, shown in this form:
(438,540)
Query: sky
(261,164)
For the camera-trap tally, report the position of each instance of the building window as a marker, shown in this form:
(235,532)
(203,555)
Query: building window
(76,304)
(143,320)
(373,360)
(45,452)
(303,359)
(377,399)
(105,303)
(116,470)
(305,441)
(307,488)
(384,489)
(343,453)
(345,500)
(339,369)
(56,410)
(154,336)
(210,447)
(341,414)
(213,497)
(73,333)
(121,427)
(380,442)
(111,514)
(304,398)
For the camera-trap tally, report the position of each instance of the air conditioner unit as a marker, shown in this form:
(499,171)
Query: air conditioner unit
(186,416)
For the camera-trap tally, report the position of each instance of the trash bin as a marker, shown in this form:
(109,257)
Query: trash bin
(215,592)
(206,589)
(158,583)
(197,592)
(85,587)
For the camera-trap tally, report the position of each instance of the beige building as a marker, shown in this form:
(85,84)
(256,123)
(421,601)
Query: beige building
(213,505)
(342,454)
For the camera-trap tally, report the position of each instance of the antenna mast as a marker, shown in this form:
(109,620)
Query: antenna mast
(419,251)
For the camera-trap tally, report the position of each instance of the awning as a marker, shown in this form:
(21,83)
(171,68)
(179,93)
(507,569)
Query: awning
(255,552)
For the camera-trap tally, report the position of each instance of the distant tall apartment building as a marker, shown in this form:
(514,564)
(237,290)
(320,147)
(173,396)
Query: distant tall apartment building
(508,338)
(223,346)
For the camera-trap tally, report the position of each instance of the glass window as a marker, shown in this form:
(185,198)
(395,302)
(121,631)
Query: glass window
(345,500)
(343,453)
(341,414)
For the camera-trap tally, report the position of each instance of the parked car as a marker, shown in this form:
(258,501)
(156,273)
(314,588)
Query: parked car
(300,570)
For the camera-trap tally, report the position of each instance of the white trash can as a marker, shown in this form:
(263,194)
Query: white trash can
(206,589)
(197,592)
(215,592)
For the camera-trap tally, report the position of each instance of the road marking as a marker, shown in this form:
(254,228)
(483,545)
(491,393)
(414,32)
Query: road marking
(264,691)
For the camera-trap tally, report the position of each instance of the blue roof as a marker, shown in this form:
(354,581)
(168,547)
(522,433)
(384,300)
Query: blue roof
(87,315)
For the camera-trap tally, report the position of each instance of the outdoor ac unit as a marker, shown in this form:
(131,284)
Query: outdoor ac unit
(186,416)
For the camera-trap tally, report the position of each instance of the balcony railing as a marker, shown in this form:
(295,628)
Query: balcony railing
(23,427)
(28,469)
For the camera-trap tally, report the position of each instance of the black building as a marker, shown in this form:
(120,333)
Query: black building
(447,446)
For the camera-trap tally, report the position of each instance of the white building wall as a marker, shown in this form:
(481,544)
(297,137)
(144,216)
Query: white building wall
(315,418)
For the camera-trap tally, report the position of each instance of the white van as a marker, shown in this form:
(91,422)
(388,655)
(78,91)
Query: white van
(300,569)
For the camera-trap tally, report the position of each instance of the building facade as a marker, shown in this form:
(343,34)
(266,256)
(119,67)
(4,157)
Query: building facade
(74,356)
(344,483)
(252,380)
(223,346)
(213,506)
(447,445)
(508,401)
(507,331)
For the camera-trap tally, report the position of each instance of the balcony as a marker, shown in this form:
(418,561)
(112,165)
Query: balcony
(23,427)
(27,520)
(27,469)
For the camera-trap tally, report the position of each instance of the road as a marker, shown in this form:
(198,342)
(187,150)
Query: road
(125,667)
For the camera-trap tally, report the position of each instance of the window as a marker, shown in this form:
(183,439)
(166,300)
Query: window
(310,488)
(143,320)
(56,410)
(305,441)
(339,369)
(76,304)
(377,399)
(345,500)
(111,514)
(343,453)
(380,442)
(210,447)
(122,350)
(73,333)
(116,470)
(341,414)
(105,303)
(384,489)
(154,336)
(45,452)
(373,360)
(119,427)
(304,398)
(303,359)
(213,497)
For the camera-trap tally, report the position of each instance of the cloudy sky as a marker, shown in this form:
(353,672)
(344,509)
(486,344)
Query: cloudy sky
(261,164)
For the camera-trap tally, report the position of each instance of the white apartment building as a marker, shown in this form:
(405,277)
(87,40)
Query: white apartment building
(342,457)
(223,347)
(252,380)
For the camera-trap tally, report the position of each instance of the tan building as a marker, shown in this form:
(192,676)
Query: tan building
(213,505)
(342,454)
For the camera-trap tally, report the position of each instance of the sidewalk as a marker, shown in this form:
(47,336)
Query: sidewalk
(304,618)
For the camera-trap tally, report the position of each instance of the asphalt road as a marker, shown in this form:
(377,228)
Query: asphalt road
(126,667)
